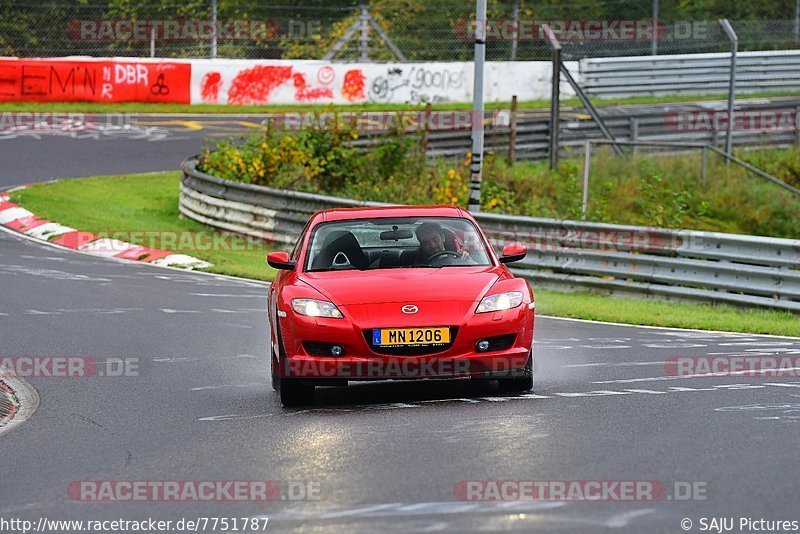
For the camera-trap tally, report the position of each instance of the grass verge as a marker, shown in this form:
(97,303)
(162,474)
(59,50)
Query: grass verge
(143,209)
(149,203)
(136,107)
(652,312)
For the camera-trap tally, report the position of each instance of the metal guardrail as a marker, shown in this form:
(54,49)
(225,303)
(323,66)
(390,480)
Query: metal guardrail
(680,264)
(628,123)
(691,74)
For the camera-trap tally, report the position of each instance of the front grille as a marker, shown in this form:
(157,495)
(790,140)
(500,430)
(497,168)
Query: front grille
(410,350)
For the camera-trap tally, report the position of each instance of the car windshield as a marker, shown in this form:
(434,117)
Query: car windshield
(407,242)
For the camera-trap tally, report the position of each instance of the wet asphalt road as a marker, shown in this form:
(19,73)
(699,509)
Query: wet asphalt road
(380,457)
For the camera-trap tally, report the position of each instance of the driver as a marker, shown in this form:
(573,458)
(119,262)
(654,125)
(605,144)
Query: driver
(431,241)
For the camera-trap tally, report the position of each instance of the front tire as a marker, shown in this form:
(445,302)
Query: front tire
(295,393)
(519,384)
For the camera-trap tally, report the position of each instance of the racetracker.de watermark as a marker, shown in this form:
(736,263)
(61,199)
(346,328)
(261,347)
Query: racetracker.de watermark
(579,490)
(733,366)
(401,367)
(183,240)
(193,490)
(67,367)
(62,121)
(582,30)
(172,30)
(375,122)
(747,120)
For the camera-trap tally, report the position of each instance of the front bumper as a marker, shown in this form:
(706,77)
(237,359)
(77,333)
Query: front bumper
(360,362)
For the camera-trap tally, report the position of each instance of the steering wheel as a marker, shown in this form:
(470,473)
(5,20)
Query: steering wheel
(442,254)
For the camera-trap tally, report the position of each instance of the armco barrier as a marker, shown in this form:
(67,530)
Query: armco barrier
(691,74)
(681,264)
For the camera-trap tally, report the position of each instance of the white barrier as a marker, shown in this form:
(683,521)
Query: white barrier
(232,81)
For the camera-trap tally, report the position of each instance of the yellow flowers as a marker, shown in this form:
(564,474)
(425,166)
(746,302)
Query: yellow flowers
(452,190)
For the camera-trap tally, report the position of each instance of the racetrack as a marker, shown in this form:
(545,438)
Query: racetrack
(386,457)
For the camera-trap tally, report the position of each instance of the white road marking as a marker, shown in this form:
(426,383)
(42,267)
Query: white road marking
(233,417)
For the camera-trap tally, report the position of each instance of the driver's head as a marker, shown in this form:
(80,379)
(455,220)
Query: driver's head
(431,238)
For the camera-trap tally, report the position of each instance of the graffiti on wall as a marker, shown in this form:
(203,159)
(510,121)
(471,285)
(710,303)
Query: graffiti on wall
(418,83)
(259,84)
(93,81)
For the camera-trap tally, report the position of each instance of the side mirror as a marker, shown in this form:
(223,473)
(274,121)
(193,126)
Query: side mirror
(280,260)
(513,252)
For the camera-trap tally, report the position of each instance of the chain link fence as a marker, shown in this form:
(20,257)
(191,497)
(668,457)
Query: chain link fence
(388,30)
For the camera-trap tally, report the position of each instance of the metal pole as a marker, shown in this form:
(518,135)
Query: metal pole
(654,45)
(474,203)
(732,84)
(587,162)
(515,30)
(363,45)
(152,41)
(555,95)
(633,124)
(213,29)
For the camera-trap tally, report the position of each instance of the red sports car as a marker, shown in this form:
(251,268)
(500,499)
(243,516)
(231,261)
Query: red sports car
(397,293)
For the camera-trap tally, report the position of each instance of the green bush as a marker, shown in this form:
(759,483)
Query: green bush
(664,191)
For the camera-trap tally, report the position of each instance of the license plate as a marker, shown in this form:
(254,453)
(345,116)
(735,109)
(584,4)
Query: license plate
(410,336)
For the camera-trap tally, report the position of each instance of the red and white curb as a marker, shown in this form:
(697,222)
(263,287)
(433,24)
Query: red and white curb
(18,401)
(21,220)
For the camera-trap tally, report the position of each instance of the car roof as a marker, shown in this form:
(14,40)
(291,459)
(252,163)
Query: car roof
(341,214)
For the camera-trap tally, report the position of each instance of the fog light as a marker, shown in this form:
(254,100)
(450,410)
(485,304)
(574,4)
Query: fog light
(483,345)
(337,350)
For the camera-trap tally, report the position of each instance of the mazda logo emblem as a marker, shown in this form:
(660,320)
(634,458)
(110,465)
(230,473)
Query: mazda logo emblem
(409,309)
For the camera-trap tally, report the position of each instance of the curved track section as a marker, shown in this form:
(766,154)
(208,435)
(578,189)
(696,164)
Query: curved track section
(194,404)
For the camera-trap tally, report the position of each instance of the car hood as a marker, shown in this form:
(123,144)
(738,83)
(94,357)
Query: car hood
(406,286)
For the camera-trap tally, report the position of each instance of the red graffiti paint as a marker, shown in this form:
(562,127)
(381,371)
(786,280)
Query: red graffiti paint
(353,85)
(255,86)
(305,93)
(210,86)
(57,80)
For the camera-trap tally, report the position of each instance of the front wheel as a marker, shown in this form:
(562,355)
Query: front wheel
(519,384)
(295,393)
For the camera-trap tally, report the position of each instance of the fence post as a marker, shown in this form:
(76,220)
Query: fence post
(425,132)
(213,29)
(476,163)
(732,83)
(797,122)
(654,43)
(515,30)
(587,162)
(633,124)
(703,164)
(555,94)
(512,134)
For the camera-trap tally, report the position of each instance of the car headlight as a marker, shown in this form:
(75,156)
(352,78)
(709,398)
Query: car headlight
(499,302)
(316,308)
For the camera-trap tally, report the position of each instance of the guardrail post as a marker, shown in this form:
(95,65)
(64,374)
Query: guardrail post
(732,83)
(587,162)
(512,134)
